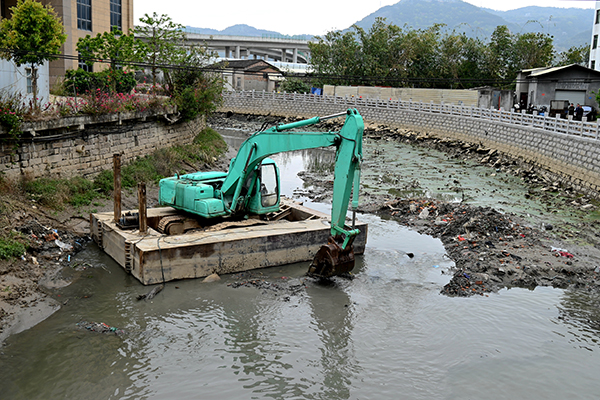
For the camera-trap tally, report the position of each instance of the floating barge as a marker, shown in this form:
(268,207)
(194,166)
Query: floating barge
(292,235)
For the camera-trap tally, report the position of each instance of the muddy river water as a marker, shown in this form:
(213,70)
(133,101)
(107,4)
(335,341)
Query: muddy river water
(387,334)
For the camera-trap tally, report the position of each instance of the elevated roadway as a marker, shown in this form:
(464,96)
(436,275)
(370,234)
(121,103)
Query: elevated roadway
(240,47)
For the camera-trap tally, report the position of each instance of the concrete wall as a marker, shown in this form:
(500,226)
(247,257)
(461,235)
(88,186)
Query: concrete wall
(570,159)
(84,146)
(447,96)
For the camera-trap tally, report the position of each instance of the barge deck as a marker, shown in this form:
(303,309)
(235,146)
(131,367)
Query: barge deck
(293,235)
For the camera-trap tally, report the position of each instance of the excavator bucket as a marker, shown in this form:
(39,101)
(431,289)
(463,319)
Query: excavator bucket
(331,260)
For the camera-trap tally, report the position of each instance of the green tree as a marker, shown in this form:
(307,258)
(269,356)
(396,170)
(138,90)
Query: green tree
(532,50)
(336,58)
(33,35)
(119,48)
(499,58)
(163,44)
(295,85)
(575,55)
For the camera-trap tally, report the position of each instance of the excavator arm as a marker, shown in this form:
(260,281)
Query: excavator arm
(337,256)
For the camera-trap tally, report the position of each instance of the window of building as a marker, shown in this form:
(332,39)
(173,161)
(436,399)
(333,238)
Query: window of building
(84,15)
(595,42)
(28,74)
(82,64)
(593,64)
(115,15)
(598,16)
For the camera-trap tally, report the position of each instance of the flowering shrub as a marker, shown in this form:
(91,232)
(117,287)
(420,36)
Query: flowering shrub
(10,120)
(98,102)
(12,109)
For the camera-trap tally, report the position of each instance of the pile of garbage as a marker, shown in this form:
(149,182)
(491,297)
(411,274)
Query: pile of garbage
(492,250)
(99,327)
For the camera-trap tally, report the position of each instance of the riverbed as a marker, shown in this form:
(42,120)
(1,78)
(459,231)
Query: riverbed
(388,333)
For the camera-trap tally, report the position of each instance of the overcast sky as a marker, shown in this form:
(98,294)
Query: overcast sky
(315,17)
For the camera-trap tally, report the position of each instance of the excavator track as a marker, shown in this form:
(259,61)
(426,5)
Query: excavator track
(172,225)
(177,225)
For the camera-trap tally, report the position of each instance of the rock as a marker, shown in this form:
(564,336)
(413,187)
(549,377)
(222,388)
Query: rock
(212,278)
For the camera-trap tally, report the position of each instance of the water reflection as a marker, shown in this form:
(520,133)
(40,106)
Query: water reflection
(579,310)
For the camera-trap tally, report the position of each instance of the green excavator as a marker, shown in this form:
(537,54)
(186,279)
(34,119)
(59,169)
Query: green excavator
(251,186)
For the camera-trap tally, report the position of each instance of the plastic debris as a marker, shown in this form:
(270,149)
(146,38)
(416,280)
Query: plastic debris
(100,327)
(63,246)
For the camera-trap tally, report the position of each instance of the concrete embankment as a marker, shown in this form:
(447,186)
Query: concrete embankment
(568,159)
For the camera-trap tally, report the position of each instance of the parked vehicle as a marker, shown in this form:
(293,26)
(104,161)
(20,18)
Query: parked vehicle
(560,107)
(590,113)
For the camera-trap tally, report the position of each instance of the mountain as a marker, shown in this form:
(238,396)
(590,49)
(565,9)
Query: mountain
(244,30)
(568,26)
(456,14)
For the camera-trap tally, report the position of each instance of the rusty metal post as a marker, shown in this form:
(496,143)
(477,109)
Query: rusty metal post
(117,186)
(142,207)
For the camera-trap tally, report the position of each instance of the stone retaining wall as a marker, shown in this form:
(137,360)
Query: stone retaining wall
(573,160)
(84,146)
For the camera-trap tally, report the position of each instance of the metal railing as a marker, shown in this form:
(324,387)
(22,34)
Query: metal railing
(558,125)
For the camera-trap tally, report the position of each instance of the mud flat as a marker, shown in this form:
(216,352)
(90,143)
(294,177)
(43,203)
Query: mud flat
(492,250)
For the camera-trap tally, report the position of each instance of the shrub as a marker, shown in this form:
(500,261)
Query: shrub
(12,109)
(294,85)
(104,182)
(78,81)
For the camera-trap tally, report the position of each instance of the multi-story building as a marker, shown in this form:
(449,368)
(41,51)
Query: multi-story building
(594,45)
(81,18)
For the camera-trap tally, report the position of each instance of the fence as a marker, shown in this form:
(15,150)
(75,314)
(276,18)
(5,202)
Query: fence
(557,125)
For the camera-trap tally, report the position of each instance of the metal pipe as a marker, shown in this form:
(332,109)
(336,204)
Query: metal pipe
(117,187)
(142,215)
(311,121)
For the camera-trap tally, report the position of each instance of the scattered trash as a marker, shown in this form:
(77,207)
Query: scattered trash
(100,327)
(51,236)
(562,252)
(461,238)
(63,246)
(436,266)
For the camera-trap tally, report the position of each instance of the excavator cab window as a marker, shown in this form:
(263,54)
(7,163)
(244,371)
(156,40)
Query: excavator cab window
(268,185)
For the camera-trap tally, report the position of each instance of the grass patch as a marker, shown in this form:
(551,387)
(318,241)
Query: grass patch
(55,193)
(206,147)
(13,245)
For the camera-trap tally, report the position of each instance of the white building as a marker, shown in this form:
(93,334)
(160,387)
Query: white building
(17,80)
(595,46)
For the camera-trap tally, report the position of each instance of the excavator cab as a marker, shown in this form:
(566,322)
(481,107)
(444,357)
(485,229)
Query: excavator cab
(265,194)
